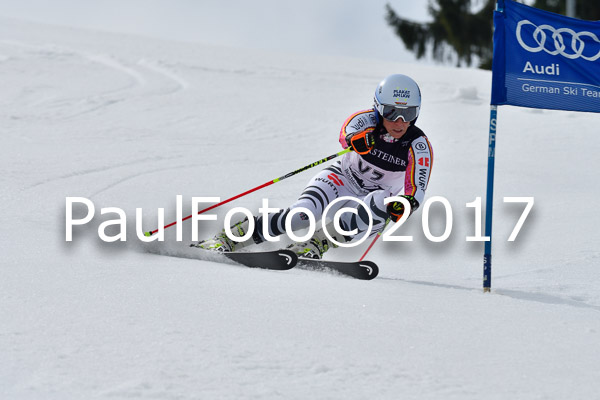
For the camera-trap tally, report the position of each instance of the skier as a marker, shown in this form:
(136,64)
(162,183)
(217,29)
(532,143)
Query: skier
(391,156)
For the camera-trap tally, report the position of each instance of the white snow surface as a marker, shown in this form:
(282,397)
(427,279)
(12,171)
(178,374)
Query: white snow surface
(131,122)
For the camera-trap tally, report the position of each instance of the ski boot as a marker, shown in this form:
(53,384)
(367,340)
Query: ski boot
(316,246)
(221,242)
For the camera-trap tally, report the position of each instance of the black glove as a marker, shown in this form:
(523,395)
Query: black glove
(361,142)
(395,209)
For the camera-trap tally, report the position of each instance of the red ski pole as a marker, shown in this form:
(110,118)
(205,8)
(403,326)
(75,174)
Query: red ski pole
(377,237)
(371,245)
(314,164)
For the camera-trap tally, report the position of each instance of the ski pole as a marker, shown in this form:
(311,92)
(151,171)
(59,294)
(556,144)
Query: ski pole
(371,245)
(387,221)
(314,164)
(374,240)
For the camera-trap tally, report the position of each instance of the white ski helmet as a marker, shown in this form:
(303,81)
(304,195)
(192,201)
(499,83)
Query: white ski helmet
(398,96)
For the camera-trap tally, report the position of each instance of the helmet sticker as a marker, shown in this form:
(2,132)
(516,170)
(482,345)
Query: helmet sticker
(401,96)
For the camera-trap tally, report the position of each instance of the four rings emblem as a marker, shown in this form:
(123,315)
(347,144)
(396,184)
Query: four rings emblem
(577,44)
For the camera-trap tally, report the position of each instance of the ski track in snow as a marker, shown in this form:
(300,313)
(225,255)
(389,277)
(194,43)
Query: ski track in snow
(129,177)
(152,78)
(117,66)
(515,294)
(99,170)
(36,53)
(156,66)
(146,78)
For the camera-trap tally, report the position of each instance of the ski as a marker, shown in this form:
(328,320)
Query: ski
(278,260)
(365,270)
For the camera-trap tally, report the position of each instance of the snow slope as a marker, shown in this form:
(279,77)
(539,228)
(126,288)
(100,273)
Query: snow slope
(130,122)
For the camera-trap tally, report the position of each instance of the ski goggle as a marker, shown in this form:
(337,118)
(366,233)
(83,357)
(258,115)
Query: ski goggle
(392,113)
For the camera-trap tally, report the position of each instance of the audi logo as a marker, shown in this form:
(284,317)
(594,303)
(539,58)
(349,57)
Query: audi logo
(577,44)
